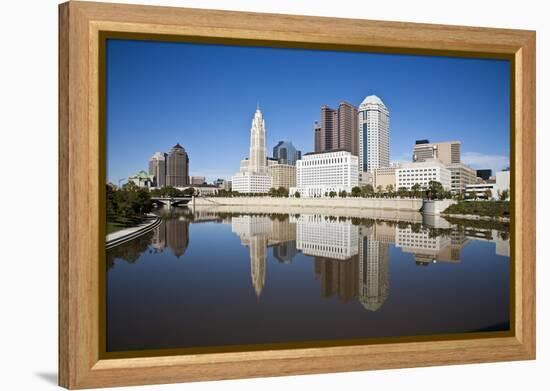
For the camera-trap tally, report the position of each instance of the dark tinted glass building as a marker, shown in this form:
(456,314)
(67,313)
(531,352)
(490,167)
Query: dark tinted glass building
(177,167)
(285,153)
(485,173)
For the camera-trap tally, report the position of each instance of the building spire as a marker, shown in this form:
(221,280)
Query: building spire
(257,106)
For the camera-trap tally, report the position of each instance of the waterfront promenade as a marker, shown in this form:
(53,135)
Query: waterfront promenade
(399,204)
(116,238)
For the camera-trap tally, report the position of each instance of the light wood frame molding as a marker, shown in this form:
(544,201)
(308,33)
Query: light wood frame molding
(80,243)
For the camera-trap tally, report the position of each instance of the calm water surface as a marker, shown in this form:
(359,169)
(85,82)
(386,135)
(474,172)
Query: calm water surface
(213,279)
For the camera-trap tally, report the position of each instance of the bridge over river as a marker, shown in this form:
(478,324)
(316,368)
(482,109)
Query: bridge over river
(172,201)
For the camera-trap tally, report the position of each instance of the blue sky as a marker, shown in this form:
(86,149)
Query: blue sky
(204,97)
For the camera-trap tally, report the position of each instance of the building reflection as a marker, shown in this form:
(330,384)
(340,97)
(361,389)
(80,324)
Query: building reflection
(258,233)
(374,259)
(427,246)
(351,261)
(285,252)
(326,236)
(173,234)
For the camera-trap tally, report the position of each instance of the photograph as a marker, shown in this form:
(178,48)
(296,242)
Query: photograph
(265,197)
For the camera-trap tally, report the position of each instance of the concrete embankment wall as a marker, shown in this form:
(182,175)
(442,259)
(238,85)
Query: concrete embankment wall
(401,204)
(435,207)
(119,237)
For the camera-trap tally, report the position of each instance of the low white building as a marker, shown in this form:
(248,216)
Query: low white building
(319,173)
(249,182)
(422,173)
(202,190)
(501,183)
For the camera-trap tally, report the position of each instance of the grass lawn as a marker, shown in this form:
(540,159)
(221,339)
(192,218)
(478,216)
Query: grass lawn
(480,208)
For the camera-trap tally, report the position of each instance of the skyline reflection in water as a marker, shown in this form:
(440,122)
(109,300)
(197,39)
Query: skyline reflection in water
(215,279)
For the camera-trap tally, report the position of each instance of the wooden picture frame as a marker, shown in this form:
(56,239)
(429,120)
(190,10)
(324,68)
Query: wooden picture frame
(81,166)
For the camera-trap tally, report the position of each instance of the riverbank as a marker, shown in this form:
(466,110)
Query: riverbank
(375,214)
(476,217)
(480,209)
(399,204)
(116,238)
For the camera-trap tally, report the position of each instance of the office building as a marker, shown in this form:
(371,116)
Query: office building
(317,136)
(348,136)
(484,174)
(447,151)
(319,173)
(177,167)
(496,187)
(329,129)
(410,174)
(385,176)
(197,180)
(253,176)
(157,168)
(283,175)
(337,129)
(285,153)
(461,176)
(222,184)
(374,135)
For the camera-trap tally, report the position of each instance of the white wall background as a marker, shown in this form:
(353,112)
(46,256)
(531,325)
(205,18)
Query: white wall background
(28,144)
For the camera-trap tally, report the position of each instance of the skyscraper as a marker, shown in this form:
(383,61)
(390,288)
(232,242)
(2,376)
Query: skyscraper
(258,151)
(337,129)
(374,134)
(177,167)
(348,136)
(317,136)
(157,168)
(329,129)
(253,176)
(286,153)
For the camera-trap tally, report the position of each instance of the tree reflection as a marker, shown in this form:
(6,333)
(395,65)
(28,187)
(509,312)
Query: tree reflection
(130,251)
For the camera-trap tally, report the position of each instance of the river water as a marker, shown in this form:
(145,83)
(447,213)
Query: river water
(210,279)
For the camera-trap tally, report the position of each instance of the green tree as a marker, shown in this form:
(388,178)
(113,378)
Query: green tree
(416,190)
(435,190)
(488,194)
(503,195)
(297,194)
(188,192)
(332,194)
(356,191)
(367,190)
(402,192)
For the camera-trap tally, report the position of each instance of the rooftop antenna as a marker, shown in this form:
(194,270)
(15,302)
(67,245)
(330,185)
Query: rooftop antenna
(257,106)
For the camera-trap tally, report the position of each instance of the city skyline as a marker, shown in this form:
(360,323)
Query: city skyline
(172,116)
